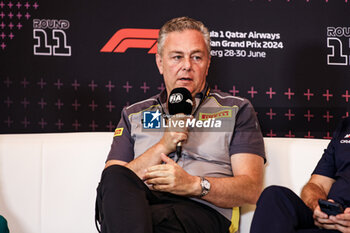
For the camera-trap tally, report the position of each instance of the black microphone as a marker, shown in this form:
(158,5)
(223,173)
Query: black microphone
(180,101)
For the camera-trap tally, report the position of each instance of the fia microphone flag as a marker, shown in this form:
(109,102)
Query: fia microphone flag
(180,101)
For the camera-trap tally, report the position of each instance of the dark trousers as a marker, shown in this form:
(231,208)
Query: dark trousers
(125,204)
(280,210)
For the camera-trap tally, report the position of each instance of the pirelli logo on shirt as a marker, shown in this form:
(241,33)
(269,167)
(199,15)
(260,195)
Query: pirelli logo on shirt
(222,114)
(118,132)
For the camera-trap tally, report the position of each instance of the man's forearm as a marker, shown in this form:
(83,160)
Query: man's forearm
(311,193)
(233,191)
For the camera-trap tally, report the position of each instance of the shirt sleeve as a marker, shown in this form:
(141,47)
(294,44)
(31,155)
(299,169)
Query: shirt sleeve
(326,165)
(122,147)
(247,137)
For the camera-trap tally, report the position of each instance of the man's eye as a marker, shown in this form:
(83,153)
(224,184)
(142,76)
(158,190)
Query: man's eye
(177,57)
(197,58)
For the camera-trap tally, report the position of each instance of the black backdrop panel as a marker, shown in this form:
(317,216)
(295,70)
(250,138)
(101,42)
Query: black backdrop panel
(289,58)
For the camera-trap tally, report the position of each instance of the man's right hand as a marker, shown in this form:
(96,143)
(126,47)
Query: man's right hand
(321,219)
(152,156)
(317,188)
(174,134)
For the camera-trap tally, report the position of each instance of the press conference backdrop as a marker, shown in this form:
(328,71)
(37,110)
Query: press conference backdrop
(70,66)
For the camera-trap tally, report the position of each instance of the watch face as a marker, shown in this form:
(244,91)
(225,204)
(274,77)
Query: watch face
(206,184)
(205,187)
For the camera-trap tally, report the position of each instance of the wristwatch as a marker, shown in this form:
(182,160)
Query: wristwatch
(205,184)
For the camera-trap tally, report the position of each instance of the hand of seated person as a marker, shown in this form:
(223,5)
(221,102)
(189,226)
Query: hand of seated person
(321,219)
(340,222)
(170,177)
(174,133)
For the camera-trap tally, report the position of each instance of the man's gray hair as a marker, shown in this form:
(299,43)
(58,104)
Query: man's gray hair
(180,24)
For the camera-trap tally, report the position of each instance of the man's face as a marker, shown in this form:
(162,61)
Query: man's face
(184,61)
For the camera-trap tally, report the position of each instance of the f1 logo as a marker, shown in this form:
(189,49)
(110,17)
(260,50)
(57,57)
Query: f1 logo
(132,38)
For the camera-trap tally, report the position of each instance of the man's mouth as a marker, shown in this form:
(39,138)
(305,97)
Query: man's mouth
(185,79)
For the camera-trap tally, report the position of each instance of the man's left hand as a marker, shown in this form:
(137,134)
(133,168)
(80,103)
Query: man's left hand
(342,221)
(170,177)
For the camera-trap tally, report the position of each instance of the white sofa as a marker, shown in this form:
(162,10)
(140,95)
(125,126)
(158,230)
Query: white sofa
(48,181)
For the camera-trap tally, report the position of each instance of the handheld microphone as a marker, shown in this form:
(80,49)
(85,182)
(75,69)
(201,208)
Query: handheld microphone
(180,101)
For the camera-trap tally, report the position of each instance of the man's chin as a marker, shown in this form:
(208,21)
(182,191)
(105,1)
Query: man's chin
(188,87)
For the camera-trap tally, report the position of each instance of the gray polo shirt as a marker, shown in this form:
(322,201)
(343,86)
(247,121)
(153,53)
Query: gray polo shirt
(233,129)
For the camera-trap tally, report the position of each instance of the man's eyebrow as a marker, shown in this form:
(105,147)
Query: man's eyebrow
(177,52)
(192,52)
(197,51)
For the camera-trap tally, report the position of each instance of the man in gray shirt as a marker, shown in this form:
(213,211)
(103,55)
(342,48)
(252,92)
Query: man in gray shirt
(143,189)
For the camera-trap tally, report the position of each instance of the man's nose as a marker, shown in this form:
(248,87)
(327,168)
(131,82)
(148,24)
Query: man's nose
(187,64)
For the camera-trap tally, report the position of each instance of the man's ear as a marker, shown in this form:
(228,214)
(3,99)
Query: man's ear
(159,62)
